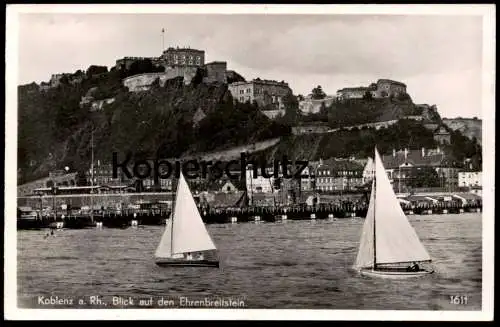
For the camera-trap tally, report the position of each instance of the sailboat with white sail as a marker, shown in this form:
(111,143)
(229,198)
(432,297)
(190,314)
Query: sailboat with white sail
(389,245)
(186,241)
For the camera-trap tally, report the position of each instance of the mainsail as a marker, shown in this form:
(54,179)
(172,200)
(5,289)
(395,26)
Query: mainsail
(188,231)
(365,252)
(394,239)
(164,250)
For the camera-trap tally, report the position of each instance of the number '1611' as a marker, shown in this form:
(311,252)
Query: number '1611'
(455,299)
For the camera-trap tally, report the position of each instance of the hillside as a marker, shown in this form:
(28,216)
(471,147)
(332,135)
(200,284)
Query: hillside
(470,127)
(55,131)
(176,120)
(361,142)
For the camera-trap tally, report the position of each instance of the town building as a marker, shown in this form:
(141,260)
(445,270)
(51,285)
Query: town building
(442,136)
(368,171)
(266,93)
(183,57)
(403,167)
(339,175)
(228,187)
(307,180)
(470,179)
(310,128)
(103,175)
(259,183)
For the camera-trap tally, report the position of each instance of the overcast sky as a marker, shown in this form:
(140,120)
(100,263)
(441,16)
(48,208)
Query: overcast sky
(438,57)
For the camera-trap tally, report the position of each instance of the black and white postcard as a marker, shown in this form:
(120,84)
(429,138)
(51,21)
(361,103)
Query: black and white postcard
(253,160)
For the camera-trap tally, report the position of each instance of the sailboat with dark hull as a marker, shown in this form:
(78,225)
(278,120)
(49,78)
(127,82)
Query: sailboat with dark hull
(389,246)
(186,241)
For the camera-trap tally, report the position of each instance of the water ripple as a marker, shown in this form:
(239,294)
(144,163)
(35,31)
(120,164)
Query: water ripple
(297,264)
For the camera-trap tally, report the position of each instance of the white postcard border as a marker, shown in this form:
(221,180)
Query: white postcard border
(10,198)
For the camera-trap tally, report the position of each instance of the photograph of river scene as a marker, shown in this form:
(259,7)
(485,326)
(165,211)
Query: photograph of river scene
(250,162)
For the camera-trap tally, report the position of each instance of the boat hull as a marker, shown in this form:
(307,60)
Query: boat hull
(187,263)
(394,274)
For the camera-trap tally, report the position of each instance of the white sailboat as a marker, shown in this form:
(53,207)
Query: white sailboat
(389,246)
(186,241)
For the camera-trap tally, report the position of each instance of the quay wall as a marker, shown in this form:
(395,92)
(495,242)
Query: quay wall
(122,200)
(99,200)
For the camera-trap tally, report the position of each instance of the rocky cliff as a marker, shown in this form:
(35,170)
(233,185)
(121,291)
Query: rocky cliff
(470,127)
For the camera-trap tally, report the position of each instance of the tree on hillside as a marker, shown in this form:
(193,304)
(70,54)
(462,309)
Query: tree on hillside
(317,93)
(292,112)
(367,95)
(96,70)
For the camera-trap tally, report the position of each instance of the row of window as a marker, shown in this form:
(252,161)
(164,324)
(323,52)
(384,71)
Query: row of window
(339,173)
(330,188)
(332,179)
(184,57)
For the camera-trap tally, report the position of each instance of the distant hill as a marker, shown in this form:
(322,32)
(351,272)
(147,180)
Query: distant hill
(470,127)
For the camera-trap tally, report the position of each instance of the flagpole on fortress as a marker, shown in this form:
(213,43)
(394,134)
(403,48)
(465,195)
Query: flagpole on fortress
(162,40)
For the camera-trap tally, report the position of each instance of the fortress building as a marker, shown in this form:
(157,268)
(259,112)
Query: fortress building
(382,89)
(183,57)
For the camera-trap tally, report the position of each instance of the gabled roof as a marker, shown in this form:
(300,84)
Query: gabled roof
(413,158)
(340,165)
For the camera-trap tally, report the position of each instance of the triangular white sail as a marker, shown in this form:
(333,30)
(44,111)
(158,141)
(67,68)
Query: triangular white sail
(164,249)
(189,231)
(365,252)
(395,239)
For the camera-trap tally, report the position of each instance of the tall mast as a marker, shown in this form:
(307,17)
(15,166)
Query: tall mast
(374,210)
(172,219)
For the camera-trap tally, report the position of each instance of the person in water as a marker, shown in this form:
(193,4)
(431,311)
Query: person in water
(200,256)
(189,256)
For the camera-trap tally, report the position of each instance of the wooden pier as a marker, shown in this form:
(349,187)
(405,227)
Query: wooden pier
(128,218)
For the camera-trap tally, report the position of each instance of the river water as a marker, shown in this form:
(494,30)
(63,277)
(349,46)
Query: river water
(290,264)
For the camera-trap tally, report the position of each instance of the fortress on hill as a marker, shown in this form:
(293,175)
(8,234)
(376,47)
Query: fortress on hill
(187,62)
(382,89)
(177,62)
